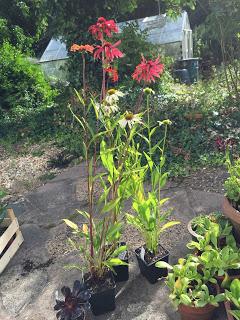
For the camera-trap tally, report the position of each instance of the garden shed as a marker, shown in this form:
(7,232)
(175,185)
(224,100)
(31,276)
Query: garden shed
(174,36)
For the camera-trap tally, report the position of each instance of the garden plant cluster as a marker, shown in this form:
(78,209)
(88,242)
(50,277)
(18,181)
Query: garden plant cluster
(112,142)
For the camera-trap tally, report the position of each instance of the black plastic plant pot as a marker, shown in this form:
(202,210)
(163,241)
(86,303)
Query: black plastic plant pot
(121,273)
(103,298)
(150,271)
(102,302)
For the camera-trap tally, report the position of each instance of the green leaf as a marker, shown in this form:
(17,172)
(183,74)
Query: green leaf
(116,262)
(80,98)
(71,224)
(163,179)
(110,205)
(184,298)
(119,250)
(163,265)
(168,225)
(236,314)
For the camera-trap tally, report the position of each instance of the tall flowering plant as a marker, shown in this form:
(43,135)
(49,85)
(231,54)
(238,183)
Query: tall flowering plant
(110,144)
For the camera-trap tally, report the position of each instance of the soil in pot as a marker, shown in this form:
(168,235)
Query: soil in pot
(103,293)
(121,273)
(147,266)
(193,313)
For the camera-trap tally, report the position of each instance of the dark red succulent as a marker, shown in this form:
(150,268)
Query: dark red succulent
(74,304)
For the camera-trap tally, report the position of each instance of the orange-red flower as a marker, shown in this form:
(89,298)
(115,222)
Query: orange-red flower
(109,50)
(113,73)
(148,70)
(103,26)
(87,48)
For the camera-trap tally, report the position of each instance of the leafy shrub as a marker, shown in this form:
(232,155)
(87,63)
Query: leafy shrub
(26,98)
(134,44)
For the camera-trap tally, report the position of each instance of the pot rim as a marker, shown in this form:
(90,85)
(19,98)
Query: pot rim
(230,211)
(208,307)
(113,287)
(152,263)
(190,229)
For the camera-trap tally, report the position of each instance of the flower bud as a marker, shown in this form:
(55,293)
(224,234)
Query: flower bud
(149,91)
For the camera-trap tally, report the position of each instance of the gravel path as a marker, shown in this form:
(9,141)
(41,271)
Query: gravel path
(26,168)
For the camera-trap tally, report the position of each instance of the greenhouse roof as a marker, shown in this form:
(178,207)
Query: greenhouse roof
(161,30)
(56,50)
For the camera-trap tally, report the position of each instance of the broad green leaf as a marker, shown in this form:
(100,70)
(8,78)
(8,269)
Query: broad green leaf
(116,262)
(110,205)
(168,225)
(71,224)
(184,298)
(163,265)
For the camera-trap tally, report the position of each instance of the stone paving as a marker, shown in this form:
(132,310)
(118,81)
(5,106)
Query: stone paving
(28,284)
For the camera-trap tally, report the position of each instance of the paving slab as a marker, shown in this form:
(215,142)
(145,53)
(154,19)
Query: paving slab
(28,285)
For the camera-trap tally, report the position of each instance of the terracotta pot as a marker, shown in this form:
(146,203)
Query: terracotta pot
(234,216)
(194,313)
(221,278)
(227,305)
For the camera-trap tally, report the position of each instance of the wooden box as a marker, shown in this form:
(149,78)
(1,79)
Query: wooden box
(10,239)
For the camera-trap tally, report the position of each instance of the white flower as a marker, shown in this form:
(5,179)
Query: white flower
(113,96)
(110,108)
(106,109)
(129,119)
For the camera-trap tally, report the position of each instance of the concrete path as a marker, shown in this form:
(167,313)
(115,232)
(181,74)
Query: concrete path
(28,284)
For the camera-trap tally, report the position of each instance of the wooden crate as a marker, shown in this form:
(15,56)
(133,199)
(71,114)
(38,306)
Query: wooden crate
(12,233)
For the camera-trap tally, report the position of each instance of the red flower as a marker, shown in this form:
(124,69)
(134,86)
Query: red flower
(148,70)
(222,144)
(88,48)
(103,26)
(113,73)
(109,50)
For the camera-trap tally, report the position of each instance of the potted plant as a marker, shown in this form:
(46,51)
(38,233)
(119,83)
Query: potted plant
(192,289)
(110,154)
(231,202)
(74,303)
(150,219)
(223,263)
(202,224)
(232,304)
(211,230)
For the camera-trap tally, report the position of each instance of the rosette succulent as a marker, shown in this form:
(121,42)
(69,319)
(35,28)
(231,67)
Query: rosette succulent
(74,304)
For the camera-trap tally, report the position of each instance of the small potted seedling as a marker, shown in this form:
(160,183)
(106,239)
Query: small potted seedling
(74,303)
(231,202)
(213,231)
(232,304)
(214,223)
(192,289)
(224,263)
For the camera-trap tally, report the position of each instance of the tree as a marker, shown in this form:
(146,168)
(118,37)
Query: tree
(22,23)
(218,36)
(70,18)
